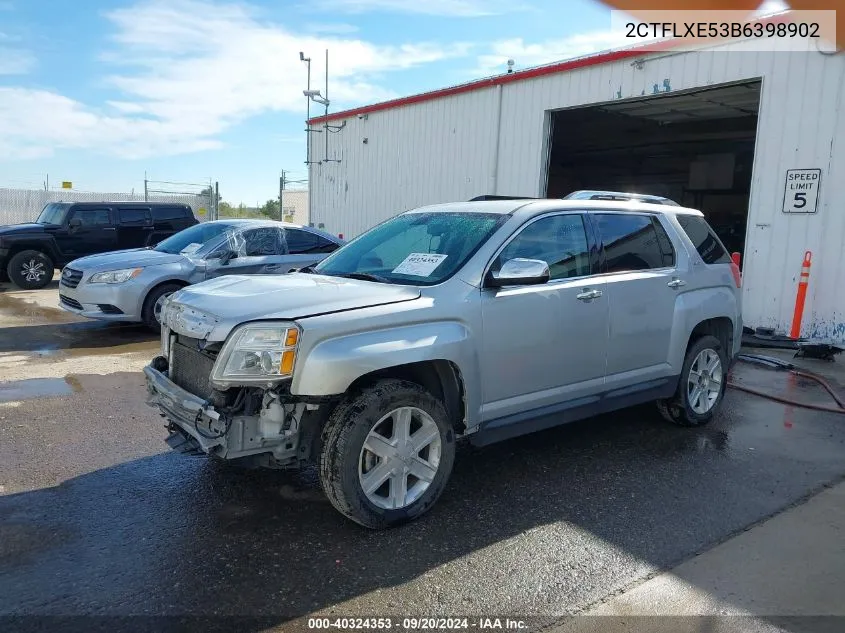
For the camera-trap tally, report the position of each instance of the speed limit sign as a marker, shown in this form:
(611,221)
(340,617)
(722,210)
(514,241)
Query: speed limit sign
(801,190)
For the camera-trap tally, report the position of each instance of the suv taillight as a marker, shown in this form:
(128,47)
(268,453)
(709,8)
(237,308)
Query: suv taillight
(735,270)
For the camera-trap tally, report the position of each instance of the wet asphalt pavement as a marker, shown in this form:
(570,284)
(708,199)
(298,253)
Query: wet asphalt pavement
(97,517)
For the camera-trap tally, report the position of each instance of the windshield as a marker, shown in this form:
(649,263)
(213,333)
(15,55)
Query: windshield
(191,239)
(53,213)
(414,248)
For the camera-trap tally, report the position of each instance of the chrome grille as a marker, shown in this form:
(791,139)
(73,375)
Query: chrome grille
(71,277)
(191,370)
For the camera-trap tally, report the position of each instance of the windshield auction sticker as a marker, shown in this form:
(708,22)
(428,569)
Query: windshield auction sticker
(419,264)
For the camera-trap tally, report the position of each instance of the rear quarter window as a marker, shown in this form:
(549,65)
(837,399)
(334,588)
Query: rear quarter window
(705,240)
(162,214)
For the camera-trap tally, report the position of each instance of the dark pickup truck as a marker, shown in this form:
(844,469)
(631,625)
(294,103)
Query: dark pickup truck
(64,231)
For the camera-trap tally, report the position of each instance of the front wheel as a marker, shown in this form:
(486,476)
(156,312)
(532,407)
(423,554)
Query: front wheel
(31,270)
(151,313)
(387,454)
(701,388)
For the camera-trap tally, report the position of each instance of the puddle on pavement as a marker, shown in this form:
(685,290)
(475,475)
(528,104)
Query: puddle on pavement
(22,308)
(33,388)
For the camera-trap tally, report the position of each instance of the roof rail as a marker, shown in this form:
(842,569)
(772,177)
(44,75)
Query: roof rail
(488,197)
(620,196)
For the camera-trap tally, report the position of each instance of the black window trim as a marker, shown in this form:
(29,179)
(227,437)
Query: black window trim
(589,231)
(648,214)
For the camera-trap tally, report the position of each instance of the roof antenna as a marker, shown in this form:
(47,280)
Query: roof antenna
(510,66)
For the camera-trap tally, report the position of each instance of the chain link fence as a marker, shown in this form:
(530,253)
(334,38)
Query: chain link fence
(24,205)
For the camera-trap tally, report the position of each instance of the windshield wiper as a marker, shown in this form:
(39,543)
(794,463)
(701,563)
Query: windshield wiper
(363,276)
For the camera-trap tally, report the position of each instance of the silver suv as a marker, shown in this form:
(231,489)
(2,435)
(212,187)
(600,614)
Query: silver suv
(484,320)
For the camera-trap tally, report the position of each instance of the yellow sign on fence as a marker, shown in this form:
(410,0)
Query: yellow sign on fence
(67,184)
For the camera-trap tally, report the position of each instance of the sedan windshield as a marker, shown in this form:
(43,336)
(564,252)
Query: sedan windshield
(413,248)
(191,239)
(53,213)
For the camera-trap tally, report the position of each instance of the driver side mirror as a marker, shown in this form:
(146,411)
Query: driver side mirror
(519,272)
(224,256)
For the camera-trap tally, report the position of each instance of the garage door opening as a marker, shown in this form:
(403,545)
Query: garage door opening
(695,147)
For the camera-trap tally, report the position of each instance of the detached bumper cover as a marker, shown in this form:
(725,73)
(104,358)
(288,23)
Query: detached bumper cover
(184,409)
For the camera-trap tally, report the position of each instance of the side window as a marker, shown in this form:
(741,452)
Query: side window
(93,217)
(300,242)
(559,240)
(325,246)
(163,214)
(134,216)
(262,242)
(704,239)
(664,243)
(630,242)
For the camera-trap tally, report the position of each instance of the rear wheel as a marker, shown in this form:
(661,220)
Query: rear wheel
(387,454)
(702,384)
(31,270)
(152,304)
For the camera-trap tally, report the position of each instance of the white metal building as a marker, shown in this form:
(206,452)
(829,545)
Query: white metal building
(754,139)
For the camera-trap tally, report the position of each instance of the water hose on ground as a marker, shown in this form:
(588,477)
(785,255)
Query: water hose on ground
(778,364)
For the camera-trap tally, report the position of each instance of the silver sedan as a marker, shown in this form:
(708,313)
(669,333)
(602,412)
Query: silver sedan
(131,285)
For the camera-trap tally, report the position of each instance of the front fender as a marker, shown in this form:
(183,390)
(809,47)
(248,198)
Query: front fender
(332,365)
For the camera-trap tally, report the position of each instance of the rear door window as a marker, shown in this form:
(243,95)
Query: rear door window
(301,242)
(632,242)
(132,216)
(704,239)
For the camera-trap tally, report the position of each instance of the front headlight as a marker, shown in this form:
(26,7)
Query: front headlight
(257,353)
(115,276)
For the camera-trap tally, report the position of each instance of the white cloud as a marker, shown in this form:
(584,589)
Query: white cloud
(534,54)
(187,70)
(452,8)
(331,28)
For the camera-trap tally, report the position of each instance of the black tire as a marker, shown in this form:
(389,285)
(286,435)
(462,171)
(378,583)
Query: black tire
(678,409)
(148,313)
(343,439)
(31,270)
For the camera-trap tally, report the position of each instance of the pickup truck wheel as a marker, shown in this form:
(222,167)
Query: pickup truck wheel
(701,387)
(31,270)
(387,454)
(152,305)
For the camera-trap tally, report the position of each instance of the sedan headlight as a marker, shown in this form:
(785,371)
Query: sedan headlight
(115,276)
(257,353)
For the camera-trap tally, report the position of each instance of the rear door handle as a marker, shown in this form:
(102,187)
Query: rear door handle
(588,295)
(676,283)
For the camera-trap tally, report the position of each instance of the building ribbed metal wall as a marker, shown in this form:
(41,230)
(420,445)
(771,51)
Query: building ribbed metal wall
(493,140)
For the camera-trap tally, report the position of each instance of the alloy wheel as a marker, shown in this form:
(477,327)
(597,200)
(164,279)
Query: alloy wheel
(704,383)
(400,458)
(33,270)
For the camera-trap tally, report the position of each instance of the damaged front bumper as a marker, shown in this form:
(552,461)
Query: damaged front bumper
(270,433)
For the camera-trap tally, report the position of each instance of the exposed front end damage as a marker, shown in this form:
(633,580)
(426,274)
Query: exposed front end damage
(259,422)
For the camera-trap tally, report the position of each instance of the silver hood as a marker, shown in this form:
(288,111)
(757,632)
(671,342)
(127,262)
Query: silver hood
(130,258)
(211,309)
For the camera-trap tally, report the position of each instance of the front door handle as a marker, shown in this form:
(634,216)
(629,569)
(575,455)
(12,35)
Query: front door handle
(676,283)
(588,295)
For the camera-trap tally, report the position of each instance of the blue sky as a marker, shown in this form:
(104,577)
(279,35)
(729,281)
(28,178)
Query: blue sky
(98,92)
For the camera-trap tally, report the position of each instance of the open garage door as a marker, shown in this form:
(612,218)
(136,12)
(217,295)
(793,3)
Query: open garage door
(696,147)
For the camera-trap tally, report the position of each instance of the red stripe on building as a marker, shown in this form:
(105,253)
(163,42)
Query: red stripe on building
(522,75)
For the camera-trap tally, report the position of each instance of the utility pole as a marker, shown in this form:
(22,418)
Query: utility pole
(282,197)
(216,203)
(145,187)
